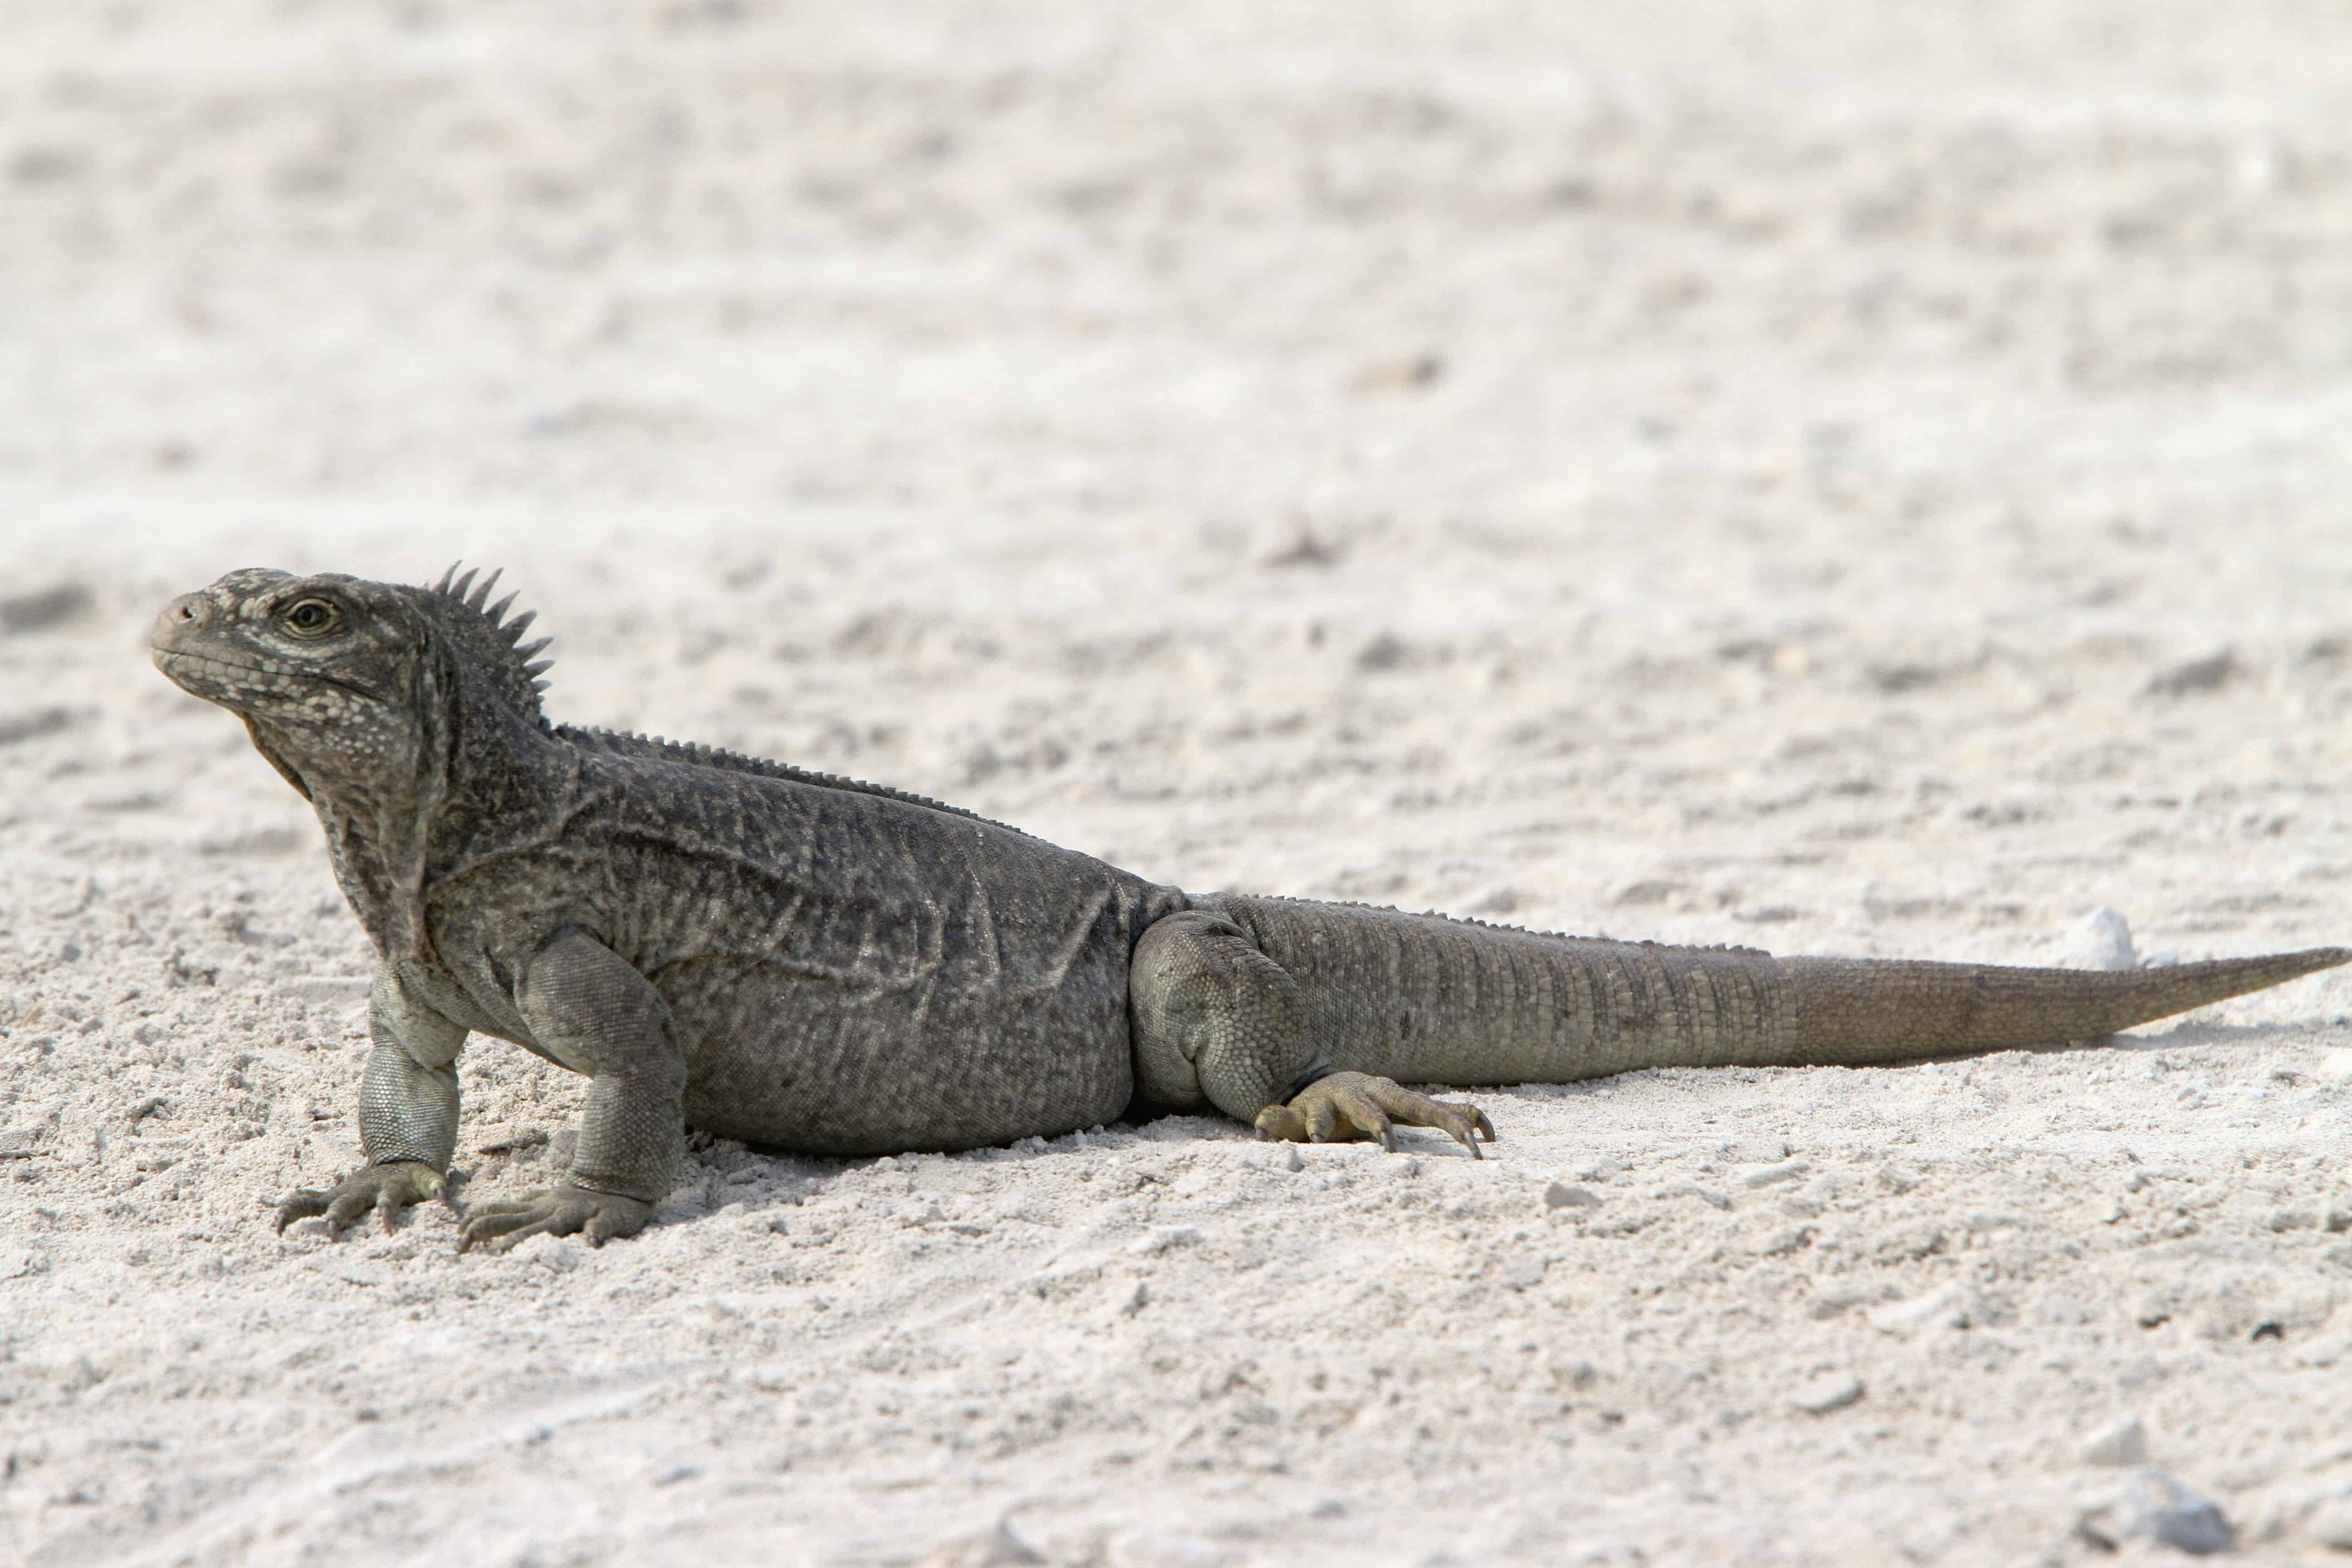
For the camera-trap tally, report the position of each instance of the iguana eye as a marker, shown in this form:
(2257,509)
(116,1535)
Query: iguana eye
(311,618)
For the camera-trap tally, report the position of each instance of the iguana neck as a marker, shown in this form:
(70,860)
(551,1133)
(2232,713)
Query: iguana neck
(477,781)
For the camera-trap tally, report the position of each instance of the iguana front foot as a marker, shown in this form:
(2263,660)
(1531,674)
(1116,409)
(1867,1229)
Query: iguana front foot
(1349,1105)
(566,1210)
(387,1188)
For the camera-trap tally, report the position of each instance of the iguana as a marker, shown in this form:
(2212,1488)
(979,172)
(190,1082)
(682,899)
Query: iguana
(805,961)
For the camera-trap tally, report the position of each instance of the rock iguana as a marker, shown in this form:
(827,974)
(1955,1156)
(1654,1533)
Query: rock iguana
(805,961)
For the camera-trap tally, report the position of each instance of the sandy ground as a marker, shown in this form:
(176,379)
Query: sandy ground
(1831,477)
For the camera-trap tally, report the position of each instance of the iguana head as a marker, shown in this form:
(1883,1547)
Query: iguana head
(405,714)
(345,683)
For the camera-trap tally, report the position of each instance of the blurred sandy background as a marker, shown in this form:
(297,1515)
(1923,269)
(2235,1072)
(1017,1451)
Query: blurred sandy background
(1831,477)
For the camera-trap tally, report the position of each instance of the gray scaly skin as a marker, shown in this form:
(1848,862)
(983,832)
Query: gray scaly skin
(809,962)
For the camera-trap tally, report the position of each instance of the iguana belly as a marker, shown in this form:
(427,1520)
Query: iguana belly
(836,1066)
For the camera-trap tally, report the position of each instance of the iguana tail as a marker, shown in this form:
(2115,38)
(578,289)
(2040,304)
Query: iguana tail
(1424,999)
(1873,1010)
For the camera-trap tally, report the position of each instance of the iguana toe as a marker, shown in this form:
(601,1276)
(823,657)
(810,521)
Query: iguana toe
(387,1188)
(567,1210)
(1351,1105)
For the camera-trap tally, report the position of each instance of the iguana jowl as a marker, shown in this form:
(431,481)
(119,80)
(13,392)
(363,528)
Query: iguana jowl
(805,962)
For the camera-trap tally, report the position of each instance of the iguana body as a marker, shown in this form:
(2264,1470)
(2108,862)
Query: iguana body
(802,961)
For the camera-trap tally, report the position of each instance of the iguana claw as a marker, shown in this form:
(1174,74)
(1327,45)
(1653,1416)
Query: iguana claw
(387,1188)
(566,1210)
(1350,1105)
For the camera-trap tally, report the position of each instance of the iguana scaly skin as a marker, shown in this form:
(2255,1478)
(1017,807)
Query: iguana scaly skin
(809,962)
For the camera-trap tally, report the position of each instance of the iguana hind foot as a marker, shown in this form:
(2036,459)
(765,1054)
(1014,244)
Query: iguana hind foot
(567,1210)
(1351,1105)
(387,1188)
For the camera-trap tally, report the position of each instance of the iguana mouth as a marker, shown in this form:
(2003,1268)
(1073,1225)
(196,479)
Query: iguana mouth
(166,656)
(162,654)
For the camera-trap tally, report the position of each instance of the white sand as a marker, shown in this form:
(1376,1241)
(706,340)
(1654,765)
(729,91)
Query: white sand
(1778,474)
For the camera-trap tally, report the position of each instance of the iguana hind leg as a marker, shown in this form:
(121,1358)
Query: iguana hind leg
(1217,1021)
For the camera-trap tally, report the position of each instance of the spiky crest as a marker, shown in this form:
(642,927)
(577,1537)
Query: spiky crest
(517,660)
(525,669)
(656,748)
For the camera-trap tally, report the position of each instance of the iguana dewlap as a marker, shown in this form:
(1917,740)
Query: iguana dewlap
(805,961)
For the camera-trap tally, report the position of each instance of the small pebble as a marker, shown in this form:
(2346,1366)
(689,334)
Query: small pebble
(2100,940)
(1829,1391)
(1523,1271)
(2160,1507)
(551,1253)
(2335,1066)
(1771,1175)
(1952,1307)
(1000,1548)
(1561,1195)
(1290,1159)
(2124,1443)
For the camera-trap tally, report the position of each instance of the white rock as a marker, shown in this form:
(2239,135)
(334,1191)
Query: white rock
(1953,1306)
(2100,940)
(2124,1443)
(1828,1391)
(2335,1066)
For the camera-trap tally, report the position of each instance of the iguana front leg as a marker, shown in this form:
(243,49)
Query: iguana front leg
(1218,1022)
(587,1008)
(408,1113)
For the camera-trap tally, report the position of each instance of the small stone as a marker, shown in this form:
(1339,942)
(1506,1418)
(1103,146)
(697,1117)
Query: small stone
(2159,1507)
(2339,1220)
(2292,1219)
(1000,1548)
(1604,1169)
(1829,1391)
(549,1252)
(2100,940)
(1163,1240)
(2123,1444)
(1290,1159)
(2335,1066)
(1561,1195)
(1953,1306)
(1523,1271)
(1754,1151)
(2210,673)
(1771,1175)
